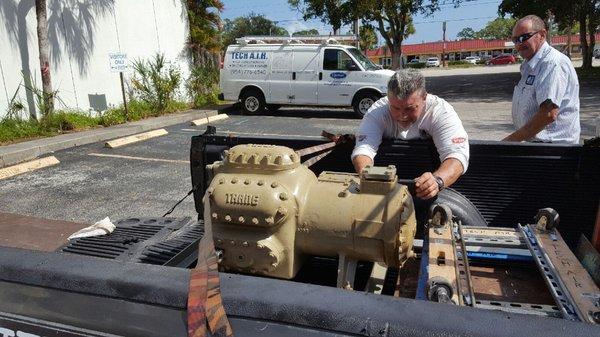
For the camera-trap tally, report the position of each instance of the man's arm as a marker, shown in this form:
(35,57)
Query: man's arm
(547,113)
(426,186)
(360,161)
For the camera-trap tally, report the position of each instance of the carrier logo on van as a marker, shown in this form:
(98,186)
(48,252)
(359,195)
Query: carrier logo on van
(338,75)
(249,55)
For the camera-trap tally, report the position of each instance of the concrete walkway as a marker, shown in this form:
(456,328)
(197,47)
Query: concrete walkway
(20,152)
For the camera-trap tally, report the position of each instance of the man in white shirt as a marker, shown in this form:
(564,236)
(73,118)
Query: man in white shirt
(408,112)
(545,103)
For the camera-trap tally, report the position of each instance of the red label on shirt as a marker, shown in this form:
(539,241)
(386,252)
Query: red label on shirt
(458,140)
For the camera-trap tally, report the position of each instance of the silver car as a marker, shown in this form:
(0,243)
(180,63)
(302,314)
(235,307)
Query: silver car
(432,62)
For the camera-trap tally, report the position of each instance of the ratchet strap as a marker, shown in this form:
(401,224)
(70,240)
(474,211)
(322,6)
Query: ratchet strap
(324,149)
(205,306)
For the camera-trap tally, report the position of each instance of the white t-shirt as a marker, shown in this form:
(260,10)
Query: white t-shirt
(549,75)
(439,121)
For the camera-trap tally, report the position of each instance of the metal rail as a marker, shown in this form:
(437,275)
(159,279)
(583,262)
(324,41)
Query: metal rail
(555,285)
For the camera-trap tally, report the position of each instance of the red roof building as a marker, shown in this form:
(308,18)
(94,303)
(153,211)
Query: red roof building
(463,48)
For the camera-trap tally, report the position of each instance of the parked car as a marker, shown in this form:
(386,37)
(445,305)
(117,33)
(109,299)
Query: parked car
(502,59)
(414,61)
(472,59)
(432,62)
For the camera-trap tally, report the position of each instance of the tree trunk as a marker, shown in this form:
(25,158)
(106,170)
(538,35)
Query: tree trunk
(587,62)
(44,47)
(396,55)
(592,34)
(569,39)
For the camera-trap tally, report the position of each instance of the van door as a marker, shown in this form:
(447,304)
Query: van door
(334,83)
(280,82)
(305,76)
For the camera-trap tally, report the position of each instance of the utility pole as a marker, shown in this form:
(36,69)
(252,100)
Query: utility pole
(357,33)
(444,44)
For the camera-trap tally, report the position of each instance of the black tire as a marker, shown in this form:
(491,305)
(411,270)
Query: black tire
(273,107)
(363,102)
(253,102)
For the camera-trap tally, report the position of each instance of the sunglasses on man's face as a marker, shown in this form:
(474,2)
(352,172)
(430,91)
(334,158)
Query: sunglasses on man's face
(523,38)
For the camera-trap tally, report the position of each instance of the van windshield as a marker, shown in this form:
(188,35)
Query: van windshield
(362,59)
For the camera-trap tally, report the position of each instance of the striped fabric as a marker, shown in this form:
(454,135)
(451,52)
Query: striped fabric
(204,298)
(549,75)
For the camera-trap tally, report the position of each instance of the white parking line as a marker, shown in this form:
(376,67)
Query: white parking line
(139,158)
(261,134)
(29,166)
(135,138)
(203,121)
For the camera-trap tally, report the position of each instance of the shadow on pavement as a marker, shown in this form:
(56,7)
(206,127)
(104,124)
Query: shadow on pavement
(298,112)
(482,88)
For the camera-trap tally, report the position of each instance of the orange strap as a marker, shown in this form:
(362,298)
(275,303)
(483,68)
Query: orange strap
(204,299)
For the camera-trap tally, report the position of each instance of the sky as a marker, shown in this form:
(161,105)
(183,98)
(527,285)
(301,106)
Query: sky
(471,13)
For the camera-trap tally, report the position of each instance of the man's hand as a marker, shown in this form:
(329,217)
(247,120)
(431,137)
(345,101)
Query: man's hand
(426,186)
(360,162)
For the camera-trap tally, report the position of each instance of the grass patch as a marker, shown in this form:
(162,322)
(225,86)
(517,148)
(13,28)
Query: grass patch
(16,129)
(62,121)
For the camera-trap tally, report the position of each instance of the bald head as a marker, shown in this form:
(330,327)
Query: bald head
(536,22)
(529,34)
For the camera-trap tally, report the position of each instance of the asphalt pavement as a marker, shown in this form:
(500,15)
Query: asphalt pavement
(146,179)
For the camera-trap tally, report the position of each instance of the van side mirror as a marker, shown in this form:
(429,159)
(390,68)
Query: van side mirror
(351,66)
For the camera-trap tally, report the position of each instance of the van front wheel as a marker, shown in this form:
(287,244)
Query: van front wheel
(253,102)
(363,102)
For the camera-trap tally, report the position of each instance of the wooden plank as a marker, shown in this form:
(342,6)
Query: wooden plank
(442,259)
(202,121)
(135,138)
(576,279)
(29,166)
(589,258)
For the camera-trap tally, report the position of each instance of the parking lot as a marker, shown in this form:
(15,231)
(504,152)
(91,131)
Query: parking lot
(147,178)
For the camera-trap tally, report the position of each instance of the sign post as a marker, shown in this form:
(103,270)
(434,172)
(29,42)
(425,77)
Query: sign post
(444,65)
(119,64)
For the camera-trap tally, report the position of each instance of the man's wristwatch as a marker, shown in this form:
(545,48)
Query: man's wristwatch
(440,183)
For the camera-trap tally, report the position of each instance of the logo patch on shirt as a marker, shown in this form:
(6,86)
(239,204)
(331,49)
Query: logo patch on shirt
(361,137)
(458,140)
(530,79)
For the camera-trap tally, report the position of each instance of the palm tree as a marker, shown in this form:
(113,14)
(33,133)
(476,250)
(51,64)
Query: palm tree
(204,31)
(44,50)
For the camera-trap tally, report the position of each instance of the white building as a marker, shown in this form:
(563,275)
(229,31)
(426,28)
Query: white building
(82,34)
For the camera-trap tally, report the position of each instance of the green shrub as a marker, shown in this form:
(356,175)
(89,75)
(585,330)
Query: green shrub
(416,65)
(460,64)
(155,83)
(203,84)
(69,121)
(113,116)
(12,129)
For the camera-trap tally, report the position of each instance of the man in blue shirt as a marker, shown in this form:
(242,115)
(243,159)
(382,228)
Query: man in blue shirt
(545,103)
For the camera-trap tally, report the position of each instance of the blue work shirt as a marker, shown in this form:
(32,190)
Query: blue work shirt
(549,74)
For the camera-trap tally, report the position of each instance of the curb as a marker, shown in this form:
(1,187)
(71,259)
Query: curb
(20,152)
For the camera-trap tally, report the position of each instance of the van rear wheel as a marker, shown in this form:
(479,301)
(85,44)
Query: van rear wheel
(363,102)
(253,102)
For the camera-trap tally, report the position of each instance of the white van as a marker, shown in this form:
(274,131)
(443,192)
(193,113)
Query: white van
(269,75)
